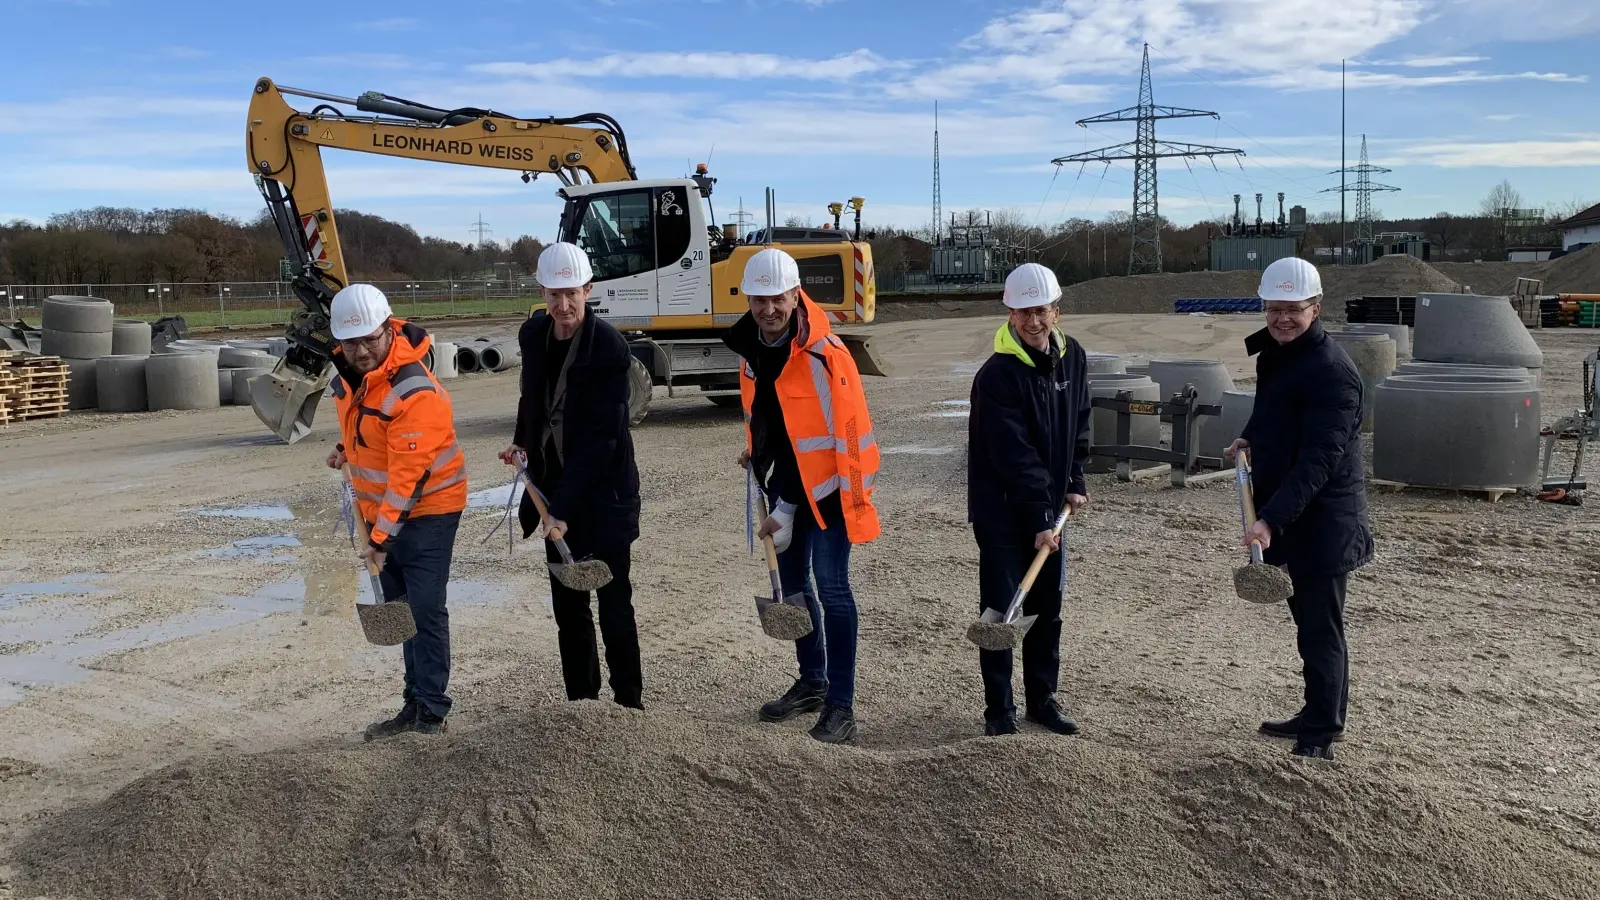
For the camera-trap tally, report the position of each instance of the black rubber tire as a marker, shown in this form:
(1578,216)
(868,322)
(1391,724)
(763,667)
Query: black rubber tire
(640,389)
(76,344)
(89,315)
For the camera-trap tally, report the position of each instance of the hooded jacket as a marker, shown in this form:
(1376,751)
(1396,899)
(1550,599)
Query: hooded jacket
(597,491)
(1028,434)
(1308,471)
(398,433)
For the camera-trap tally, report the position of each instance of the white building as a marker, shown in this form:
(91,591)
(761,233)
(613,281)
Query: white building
(1581,230)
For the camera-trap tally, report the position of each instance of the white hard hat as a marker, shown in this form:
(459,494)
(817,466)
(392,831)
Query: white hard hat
(1290,280)
(564,265)
(770,272)
(357,311)
(1030,285)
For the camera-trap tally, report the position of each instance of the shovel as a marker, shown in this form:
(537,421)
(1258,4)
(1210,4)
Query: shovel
(583,575)
(1255,581)
(384,623)
(996,630)
(783,617)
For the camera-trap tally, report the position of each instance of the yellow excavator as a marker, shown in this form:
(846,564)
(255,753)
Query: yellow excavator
(665,275)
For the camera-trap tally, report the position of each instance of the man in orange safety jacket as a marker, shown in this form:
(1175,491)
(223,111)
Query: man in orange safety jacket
(397,434)
(809,440)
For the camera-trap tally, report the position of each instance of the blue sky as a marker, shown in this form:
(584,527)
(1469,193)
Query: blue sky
(129,103)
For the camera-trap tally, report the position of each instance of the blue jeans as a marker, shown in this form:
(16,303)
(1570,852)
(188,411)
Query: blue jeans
(828,653)
(418,568)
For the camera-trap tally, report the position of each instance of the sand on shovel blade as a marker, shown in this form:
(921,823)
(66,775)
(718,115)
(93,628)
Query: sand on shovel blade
(1262,584)
(993,635)
(785,622)
(585,575)
(387,624)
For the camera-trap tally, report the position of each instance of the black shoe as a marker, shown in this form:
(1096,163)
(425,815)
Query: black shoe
(1291,728)
(428,723)
(1314,748)
(835,726)
(803,697)
(403,722)
(1051,716)
(1001,726)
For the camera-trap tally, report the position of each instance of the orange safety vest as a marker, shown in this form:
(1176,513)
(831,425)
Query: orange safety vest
(398,432)
(825,413)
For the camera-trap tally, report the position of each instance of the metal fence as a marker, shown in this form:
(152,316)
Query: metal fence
(240,304)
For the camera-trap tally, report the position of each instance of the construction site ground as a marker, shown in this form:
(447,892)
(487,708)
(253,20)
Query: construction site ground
(173,587)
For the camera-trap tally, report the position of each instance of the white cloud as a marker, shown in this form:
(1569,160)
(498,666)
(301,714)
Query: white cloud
(1575,152)
(694,65)
(389,25)
(1328,79)
(1505,117)
(1428,62)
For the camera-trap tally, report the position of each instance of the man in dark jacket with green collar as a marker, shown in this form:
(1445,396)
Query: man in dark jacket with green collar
(572,424)
(1304,439)
(1028,440)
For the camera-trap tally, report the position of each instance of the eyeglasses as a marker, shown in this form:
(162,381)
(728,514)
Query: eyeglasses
(371,343)
(1036,312)
(1289,310)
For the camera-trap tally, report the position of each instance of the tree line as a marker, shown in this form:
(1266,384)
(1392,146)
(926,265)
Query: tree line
(118,245)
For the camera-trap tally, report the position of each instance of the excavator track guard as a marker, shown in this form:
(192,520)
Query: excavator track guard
(285,399)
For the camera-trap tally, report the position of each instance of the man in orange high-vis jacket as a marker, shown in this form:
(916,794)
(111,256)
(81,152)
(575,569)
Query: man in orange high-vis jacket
(809,438)
(397,434)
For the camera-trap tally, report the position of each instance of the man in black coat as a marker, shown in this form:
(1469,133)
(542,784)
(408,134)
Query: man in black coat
(1028,440)
(1304,438)
(572,424)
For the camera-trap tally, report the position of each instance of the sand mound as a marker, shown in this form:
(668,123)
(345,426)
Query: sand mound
(1154,293)
(587,800)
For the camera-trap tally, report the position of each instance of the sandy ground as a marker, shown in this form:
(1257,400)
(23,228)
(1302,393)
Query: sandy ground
(157,632)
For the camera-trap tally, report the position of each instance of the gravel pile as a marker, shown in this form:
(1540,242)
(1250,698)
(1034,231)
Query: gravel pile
(1262,584)
(785,622)
(589,800)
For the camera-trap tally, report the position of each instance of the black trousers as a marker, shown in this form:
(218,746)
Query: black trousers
(1318,610)
(580,655)
(1003,558)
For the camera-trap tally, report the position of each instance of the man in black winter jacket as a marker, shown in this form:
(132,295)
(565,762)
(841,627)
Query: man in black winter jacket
(572,424)
(1028,440)
(1311,501)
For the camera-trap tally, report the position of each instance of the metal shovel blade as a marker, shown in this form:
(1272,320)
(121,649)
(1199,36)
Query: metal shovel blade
(992,632)
(583,574)
(386,623)
(788,619)
(285,400)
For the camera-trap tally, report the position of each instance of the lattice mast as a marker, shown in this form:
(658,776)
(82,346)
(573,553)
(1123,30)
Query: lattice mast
(1145,253)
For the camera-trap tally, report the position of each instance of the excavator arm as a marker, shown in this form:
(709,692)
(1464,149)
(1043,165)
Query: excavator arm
(284,151)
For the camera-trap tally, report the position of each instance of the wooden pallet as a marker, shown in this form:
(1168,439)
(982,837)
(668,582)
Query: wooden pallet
(34,386)
(1492,495)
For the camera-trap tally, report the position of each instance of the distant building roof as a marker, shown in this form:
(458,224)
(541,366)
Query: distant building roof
(1590,216)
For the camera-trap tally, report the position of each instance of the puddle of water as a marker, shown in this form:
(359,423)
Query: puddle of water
(274,513)
(77,585)
(955,402)
(914,450)
(492,497)
(259,548)
(952,414)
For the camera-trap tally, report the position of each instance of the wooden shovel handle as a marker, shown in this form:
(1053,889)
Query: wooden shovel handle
(1044,553)
(361,521)
(766,541)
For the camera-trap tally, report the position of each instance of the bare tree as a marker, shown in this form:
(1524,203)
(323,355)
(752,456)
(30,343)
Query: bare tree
(1501,197)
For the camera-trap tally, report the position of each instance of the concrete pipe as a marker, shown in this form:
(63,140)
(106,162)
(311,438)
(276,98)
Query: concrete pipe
(1423,367)
(182,380)
(247,344)
(80,383)
(1106,363)
(1374,356)
(1143,430)
(225,386)
(75,344)
(235,358)
(1461,431)
(1467,328)
(119,383)
(278,347)
(1142,368)
(86,315)
(240,388)
(444,359)
(500,357)
(1400,334)
(130,337)
(1217,432)
(1209,376)
(187,345)
(467,358)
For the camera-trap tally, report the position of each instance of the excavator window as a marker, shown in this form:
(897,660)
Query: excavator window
(616,231)
(672,225)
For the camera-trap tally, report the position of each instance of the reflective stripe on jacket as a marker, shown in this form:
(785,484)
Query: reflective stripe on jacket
(398,433)
(825,412)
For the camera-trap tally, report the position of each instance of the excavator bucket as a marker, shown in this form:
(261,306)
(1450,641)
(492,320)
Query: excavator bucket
(286,399)
(867,359)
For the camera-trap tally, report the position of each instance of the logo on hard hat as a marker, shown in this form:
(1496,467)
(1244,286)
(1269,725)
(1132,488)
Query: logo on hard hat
(763,279)
(353,320)
(1285,286)
(566,272)
(1030,292)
